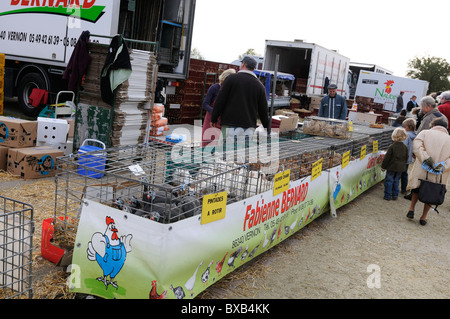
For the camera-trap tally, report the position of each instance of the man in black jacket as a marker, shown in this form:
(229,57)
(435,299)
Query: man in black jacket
(241,99)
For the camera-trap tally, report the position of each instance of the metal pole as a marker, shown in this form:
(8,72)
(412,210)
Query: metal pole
(274,85)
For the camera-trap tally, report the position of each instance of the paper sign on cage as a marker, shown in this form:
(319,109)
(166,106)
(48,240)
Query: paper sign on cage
(214,207)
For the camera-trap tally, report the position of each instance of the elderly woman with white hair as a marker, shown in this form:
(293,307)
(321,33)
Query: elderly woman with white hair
(430,146)
(429,109)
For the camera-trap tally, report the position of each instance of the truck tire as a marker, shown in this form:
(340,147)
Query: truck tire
(26,85)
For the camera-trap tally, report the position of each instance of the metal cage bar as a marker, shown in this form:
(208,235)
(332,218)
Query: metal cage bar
(16,235)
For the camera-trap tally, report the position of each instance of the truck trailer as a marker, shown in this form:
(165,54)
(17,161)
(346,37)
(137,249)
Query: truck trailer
(380,91)
(313,66)
(38,38)
(355,69)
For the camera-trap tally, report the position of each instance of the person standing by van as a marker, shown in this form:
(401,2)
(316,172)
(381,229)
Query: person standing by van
(333,105)
(400,103)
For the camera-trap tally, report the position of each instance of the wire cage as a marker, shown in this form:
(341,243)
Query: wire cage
(16,235)
(166,182)
(360,140)
(338,147)
(300,155)
(375,134)
(296,134)
(383,135)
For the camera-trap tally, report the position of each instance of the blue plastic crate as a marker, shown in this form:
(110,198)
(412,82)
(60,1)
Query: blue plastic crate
(91,157)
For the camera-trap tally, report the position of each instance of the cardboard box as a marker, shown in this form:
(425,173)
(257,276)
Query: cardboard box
(362,117)
(3,158)
(52,131)
(33,162)
(66,148)
(71,121)
(284,123)
(17,133)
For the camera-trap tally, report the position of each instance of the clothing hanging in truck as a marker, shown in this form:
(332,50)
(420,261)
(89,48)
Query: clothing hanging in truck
(78,63)
(116,70)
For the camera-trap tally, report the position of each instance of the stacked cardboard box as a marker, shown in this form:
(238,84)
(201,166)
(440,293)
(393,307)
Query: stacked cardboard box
(133,100)
(24,158)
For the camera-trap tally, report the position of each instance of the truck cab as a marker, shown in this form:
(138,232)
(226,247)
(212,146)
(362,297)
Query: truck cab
(38,40)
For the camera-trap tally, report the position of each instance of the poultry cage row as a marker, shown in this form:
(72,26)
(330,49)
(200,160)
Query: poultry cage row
(166,183)
(16,235)
(362,135)
(383,135)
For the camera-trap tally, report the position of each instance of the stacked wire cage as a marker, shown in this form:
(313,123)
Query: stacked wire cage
(383,134)
(375,134)
(300,155)
(16,236)
(338,147)
(359,140)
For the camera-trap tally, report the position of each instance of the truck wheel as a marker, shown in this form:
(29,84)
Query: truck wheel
(26,85)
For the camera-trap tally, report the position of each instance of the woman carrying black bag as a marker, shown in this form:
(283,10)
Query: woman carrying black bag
(432,150)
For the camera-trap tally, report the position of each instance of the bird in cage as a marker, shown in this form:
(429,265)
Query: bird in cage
(190,206)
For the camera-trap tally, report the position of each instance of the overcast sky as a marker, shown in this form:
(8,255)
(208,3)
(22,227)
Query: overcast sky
(388,33)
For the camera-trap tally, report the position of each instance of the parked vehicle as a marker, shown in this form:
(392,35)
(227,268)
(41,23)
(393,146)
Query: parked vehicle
(313,66)
(283,89)
(354,74)
(383,89)
(38,38)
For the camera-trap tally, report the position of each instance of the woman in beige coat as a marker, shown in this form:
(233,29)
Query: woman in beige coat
(435,144)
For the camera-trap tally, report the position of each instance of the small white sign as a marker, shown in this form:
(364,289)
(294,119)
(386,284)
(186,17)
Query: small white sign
(136,169)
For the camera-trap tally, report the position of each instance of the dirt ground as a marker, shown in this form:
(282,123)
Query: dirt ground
(370,251)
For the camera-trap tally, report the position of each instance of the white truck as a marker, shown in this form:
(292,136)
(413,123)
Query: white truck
(356,67)
(384,89)
(38,38)
(312,65)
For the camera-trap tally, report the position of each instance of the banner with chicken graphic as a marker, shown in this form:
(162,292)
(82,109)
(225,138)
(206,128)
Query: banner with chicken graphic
(121,255)
(354,179)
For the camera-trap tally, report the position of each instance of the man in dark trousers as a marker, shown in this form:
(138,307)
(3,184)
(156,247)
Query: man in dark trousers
(242,98)
(400,104)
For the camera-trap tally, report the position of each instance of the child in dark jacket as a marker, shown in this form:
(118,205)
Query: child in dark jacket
(394,163)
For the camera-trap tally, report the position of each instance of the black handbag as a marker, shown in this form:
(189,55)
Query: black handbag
(432,193)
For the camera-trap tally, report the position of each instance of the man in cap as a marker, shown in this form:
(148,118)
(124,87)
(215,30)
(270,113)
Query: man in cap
(242,98)
(333,105)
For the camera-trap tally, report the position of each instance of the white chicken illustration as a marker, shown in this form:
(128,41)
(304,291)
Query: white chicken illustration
(191,281)
(109,251)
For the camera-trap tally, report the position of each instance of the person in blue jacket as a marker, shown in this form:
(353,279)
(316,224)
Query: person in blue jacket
(333,105)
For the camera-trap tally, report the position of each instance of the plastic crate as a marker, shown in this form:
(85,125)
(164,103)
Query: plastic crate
(92,159)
